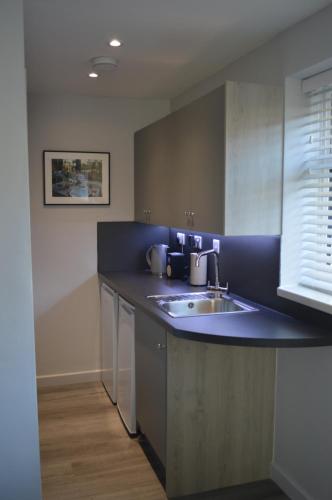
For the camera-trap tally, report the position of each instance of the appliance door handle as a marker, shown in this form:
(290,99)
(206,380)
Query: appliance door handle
(128,309)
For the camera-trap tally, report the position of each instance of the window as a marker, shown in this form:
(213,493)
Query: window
(306,255)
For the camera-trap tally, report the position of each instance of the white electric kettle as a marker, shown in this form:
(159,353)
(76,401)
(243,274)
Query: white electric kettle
(156,258)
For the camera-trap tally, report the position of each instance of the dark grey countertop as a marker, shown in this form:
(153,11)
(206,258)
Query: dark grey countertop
(262,328)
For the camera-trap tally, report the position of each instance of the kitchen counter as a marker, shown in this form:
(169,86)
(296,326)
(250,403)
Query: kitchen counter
(262,328)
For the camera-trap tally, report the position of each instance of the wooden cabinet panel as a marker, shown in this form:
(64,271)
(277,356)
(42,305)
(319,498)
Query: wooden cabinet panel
(253,159)
(220,407)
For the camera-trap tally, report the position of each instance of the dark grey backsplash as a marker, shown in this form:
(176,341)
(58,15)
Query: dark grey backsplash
(121,246)
(250,264)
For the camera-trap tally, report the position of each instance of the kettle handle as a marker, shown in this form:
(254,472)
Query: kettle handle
(148,256)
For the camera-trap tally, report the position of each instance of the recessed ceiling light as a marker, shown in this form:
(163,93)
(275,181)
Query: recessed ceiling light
(93,75)
(115,42)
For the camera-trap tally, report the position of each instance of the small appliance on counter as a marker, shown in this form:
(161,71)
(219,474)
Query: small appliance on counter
(175,265)
(156,258)
(198,274)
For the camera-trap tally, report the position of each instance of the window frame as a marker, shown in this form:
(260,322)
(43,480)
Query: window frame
(296,102)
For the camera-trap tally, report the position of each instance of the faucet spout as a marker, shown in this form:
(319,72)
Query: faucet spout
(216,286)
(200,255)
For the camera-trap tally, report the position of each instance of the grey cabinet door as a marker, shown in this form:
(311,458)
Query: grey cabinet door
(153,166)
(180,192)
(150,352)
(161,163)
(205,125)
(141,160)
(198,164)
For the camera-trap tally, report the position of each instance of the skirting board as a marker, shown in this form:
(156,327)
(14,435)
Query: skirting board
(288,485)
(68,378)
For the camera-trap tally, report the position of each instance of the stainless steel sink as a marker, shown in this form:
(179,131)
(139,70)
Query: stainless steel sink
(199,304)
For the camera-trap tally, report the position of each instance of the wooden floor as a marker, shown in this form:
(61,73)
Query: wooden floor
(87,455)
(85,451)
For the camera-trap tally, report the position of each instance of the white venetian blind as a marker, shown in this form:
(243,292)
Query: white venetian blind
(316,194)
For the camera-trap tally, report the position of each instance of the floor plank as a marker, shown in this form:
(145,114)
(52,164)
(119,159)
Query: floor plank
(85,452)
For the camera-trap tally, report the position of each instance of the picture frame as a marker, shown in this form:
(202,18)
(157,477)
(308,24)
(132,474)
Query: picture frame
(76,178)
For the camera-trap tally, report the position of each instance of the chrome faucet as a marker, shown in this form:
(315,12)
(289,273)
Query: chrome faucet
(215,254)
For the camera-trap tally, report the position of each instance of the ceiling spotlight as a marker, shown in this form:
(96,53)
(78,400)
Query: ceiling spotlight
(93,74)
(115,43)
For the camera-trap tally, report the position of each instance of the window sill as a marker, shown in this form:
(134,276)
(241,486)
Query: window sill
(307,297)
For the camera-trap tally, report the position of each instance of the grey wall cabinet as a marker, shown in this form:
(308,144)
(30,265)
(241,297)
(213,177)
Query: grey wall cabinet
(150,345)
(198,151)
(208,421)
(153,159)
(215,165)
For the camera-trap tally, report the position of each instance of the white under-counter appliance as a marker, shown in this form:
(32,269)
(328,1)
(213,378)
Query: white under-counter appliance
(109,333)
(126,365)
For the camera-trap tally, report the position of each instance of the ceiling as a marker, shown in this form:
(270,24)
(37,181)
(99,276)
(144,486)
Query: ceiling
(169,45)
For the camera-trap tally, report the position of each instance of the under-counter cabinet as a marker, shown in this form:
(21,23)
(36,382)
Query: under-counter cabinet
(207,409)
(150,345)
(214,165)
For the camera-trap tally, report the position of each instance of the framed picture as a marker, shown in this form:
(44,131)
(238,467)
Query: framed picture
(76,178)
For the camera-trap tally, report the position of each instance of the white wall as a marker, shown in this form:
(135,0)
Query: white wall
(303,443)
(303,437)
(64,251)
(19,446)
(306,44)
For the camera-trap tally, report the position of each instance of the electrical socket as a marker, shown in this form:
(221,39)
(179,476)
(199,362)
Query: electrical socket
(181,237)
(216,245)
(198,242)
